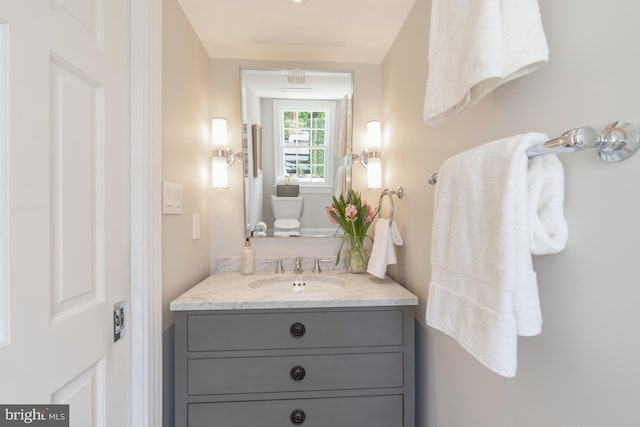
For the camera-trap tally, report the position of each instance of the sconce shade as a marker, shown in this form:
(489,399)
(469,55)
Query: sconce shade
(374,173)
(219,132)
(371,157)
(219,172)
(374,162)
(373,136)
(219,160)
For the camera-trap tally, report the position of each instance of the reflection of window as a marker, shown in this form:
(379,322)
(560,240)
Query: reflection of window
(303,144)
(304,141)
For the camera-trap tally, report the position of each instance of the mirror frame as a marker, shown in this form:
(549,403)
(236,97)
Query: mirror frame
(248,130)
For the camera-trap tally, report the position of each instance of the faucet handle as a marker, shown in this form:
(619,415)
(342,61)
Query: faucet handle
(316,265)
(278,263)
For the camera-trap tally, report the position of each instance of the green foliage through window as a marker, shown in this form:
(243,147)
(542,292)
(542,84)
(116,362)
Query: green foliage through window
(304,144)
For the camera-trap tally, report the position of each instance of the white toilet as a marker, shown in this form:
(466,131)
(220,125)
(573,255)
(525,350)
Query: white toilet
(287,212)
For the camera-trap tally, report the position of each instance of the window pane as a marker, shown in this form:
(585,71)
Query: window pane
(318,120)
(318,172)
(301,131)
(317,163)
(298,137)
(297,161)
(318,123)
(318,137)
(317,155)
(304,119)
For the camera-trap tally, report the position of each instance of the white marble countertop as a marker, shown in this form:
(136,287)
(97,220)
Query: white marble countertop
(233,291)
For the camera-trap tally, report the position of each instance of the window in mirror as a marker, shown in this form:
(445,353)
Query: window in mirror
(305,141)
(302,144)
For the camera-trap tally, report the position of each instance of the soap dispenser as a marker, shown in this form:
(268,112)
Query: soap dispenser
(247,258)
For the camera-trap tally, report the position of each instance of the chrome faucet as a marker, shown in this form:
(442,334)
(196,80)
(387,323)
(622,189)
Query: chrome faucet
(297,266)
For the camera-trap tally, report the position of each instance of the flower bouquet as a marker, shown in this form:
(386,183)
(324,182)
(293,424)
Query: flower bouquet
(354,216)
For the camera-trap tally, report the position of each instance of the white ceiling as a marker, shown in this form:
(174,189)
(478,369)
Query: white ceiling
(315,30)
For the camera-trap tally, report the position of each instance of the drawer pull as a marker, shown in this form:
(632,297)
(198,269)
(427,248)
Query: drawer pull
(297,373)
(297,330)
(298,416)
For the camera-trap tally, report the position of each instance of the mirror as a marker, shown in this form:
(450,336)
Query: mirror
(296,144)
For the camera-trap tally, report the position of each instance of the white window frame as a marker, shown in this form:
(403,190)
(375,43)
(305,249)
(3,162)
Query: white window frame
(329,107)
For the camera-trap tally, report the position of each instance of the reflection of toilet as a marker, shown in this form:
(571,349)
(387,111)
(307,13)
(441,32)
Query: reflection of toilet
(287,212)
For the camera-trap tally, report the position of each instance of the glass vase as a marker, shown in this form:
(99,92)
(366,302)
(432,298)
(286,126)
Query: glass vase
(356,256)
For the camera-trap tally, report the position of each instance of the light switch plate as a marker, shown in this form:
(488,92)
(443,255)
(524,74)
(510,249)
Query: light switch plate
(171,198)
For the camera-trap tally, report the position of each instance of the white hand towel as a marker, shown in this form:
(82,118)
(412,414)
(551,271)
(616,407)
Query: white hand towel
(383,252)
(477,45)
(494,207)
(396,237)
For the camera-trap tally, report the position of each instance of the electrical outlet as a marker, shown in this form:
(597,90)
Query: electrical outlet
(118,321)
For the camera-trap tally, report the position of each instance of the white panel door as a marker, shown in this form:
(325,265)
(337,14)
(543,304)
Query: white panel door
(64,206)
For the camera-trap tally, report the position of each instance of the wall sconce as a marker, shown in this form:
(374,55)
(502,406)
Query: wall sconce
(222,156)
(371,158)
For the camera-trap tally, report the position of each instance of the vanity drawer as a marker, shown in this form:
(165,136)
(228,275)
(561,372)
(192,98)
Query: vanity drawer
(262,331)
(370,411)
(294,373)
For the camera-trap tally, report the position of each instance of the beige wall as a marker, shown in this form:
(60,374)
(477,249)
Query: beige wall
(583,369)
(227,215)
(185,153)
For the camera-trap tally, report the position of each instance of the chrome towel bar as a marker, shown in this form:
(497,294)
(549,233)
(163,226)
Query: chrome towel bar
(619,141)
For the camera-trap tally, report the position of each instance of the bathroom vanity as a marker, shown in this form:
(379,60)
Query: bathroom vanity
(334,349)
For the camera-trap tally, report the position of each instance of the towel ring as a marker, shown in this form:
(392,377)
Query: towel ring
(389,193)
(380,207)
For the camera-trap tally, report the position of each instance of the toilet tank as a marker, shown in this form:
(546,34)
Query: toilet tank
(287,207)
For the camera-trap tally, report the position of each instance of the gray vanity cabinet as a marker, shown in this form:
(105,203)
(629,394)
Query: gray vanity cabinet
(329,367)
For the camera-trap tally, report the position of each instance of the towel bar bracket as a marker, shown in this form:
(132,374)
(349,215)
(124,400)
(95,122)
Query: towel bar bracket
(399,192)
(620,140)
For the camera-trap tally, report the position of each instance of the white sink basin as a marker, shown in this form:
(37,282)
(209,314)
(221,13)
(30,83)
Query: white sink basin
(292,283)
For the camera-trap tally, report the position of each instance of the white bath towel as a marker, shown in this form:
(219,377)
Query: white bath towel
(477,45)
(340,185)
(383,252)
(494,207)
(342,134)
